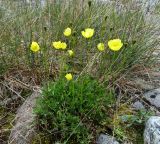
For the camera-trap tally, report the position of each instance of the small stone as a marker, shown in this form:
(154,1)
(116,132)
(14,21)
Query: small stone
(153,97)
(106,139)
(138,105)
(152,131)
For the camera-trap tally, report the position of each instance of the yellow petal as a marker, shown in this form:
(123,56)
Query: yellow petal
(57,45)
(63,45)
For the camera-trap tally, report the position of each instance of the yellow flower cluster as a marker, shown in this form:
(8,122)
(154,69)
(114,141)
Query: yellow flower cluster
(59,45)
(114,44)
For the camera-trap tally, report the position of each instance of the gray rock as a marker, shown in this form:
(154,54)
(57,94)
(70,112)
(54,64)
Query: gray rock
(138,105)
(23,128)
(152,131)
(106,139)
(153,97)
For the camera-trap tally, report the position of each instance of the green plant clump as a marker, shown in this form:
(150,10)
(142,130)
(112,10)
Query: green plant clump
(69,111)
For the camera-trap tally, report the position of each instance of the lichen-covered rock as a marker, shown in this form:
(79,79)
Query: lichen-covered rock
(153,97)
(106,139)
(23,129)
(152,131)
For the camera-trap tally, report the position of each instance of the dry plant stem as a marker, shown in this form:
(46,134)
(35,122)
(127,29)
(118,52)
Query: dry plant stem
(13,91)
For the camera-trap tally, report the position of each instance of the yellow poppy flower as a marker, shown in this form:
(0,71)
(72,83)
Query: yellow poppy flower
(63,45)
(35,47)
(88,33)
(70,52)
(115,44)
(57,45)
(69,76)
(67,32)
(100,46)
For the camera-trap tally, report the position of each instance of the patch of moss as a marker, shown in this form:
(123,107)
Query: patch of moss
(40,138)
